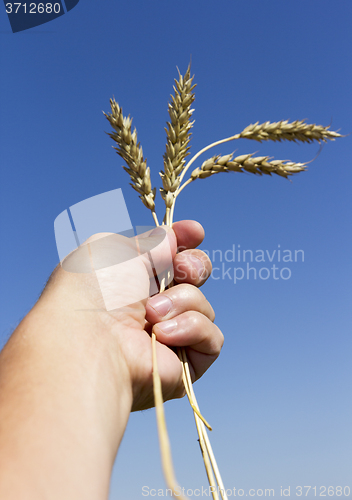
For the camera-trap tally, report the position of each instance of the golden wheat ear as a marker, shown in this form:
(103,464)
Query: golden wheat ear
(178,135)
(131,151)
(258,165)
(297,131)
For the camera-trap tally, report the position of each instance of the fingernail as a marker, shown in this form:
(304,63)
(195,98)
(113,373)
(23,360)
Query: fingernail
(161,304)
(167,326)
(197,264)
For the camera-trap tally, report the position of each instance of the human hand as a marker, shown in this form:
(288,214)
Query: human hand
(72,370)
(125,332)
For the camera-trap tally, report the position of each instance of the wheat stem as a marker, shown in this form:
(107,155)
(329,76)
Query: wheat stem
(167,217)
(207,442)
(208,468)
(188,181)
(164,442)
(206,458)
(155,217)
(212,145)
(187,382)
(204,434)
(192,160)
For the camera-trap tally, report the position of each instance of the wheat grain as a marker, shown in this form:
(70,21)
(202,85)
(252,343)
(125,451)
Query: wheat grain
(298,130)
(178,135)
(130,150)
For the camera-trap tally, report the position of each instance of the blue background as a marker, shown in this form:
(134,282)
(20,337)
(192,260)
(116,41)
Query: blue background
(279,397)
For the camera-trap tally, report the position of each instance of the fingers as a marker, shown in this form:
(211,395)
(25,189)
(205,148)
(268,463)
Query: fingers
(157,249)
(183,317)
(189,234)
(175,301)
(192,266)
(191,329)
(202,337)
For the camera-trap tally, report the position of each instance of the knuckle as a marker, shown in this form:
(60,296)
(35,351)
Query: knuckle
(195,320)
(188,292)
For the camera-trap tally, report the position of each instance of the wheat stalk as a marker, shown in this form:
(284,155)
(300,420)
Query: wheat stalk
(175,169)
(204,442)
(177,149)
(165,449)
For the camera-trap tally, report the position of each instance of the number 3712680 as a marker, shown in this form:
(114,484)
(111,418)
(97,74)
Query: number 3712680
(33,8)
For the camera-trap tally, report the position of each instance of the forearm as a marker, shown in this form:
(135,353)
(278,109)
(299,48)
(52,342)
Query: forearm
(64,405)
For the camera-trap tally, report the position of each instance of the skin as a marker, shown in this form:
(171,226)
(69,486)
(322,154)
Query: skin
(72,372)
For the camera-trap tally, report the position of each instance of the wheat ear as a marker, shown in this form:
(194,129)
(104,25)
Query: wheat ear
(131,151)
(178,135)
(258,165)
(298,130)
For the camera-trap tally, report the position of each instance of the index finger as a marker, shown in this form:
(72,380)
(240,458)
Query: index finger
(189,234)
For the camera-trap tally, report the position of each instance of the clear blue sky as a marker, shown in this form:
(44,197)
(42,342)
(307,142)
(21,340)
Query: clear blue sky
(279,397)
